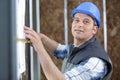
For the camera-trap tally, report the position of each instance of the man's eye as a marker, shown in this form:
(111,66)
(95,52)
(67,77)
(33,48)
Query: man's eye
(86,21)
(76,20)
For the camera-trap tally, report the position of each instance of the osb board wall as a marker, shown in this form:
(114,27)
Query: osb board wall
(52,24)
(113,19)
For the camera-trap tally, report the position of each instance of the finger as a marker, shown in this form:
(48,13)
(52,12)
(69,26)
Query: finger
(30,32)
(28,29)
(35,35)
(25,27)
(32,37)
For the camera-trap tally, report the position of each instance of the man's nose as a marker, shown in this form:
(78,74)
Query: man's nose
(80,24)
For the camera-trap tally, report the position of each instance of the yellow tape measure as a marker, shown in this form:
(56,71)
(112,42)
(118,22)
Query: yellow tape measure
(24,40)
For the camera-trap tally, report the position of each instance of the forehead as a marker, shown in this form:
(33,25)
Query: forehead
(82,16)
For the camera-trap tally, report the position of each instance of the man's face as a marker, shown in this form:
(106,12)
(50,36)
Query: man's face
(83,27)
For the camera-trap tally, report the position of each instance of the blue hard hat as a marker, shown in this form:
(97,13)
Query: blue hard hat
(90,9)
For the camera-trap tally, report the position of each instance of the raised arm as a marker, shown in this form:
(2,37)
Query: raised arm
(49,44)
(49,68)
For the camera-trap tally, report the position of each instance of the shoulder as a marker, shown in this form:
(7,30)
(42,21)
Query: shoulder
(93,61)
(90,68)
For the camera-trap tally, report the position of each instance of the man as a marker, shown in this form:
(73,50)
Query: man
(84,58)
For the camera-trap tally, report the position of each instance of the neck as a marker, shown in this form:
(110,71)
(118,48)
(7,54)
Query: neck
(79,42)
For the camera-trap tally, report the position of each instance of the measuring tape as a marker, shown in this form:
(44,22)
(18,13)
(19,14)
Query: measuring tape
(24,40)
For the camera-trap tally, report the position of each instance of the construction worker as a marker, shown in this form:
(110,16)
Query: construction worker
(84,58)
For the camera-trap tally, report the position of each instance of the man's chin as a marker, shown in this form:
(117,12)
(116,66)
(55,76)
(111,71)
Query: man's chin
(78,37)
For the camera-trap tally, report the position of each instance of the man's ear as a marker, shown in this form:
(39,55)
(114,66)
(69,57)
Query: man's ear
(95,29)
